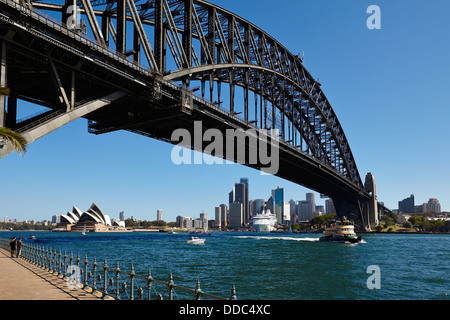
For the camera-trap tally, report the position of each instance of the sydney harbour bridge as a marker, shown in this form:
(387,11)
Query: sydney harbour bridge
(154,66)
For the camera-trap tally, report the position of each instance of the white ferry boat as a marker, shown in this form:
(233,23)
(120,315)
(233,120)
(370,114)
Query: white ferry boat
(341,231)
(264,222)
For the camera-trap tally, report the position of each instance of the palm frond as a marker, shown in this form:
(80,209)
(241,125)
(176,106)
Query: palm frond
(18,141)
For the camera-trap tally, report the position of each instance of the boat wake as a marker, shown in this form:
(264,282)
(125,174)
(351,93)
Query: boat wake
(286,239)
(280,238)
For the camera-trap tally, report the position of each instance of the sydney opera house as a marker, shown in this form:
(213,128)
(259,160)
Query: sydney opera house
(93,219)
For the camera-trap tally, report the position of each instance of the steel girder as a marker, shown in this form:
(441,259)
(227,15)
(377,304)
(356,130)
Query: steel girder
(199,41)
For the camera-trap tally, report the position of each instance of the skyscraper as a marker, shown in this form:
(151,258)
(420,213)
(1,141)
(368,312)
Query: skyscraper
(329,207)
(311,198)
(259,206)
(240,196)
(224,212)
(247,200)
(236,215)
(304,211)
(278,196)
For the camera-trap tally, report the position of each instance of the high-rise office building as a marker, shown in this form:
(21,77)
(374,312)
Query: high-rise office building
(260,205)
(224,212)
(218,217)
(293,211)
(286,213)
(270,205)
(311,198)
(247,200)
(239,195)
(305,212)
(278,196)
(158,215)
(231,196)
(122,215)
(406,205)
(329,207)
(236,215)
(204,221)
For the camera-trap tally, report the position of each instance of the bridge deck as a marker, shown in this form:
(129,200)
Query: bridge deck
(20,280)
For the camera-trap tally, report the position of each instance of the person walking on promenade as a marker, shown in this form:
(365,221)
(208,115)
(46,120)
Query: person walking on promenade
(19,247)
(12,245)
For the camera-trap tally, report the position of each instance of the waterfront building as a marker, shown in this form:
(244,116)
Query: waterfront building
(204,221)
(56,219)
(236,215)
(224,212)
(218,217)
(198,223)
(407,205)
(188,223)
(93,219)
(159,215)
(433,205)
(420,208)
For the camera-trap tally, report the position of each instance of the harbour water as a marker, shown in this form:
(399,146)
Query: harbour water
(274,266)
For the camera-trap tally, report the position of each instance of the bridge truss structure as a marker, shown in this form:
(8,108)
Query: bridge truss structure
(152,66)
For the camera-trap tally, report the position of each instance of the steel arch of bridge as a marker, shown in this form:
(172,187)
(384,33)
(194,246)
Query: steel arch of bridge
(190,41)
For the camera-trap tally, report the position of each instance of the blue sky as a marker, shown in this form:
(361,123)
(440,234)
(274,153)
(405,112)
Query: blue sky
(388,88)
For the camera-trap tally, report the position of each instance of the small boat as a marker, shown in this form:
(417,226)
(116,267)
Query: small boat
(341,231)
(31,237)
(84,230)
(195,240)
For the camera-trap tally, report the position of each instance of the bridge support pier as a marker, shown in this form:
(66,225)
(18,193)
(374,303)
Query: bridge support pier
(371,209)
(363,211)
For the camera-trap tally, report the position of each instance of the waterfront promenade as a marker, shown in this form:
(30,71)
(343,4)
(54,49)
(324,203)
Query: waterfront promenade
(20,280)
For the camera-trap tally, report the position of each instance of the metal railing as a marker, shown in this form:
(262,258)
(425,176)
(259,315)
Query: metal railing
(105,281)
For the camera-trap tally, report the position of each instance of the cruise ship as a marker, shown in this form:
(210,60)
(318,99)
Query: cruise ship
(264,222)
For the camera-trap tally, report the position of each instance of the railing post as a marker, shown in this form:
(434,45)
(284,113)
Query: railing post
(85,272)
(149,284)
(170,285)
(105,275)
(94,275)
(117,281)
(233,293)
(59,262)
(132,274)
(198,291)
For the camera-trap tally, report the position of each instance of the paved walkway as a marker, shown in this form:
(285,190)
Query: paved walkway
(20,280)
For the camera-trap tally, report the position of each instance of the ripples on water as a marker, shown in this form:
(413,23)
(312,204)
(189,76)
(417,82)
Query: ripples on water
(274,266)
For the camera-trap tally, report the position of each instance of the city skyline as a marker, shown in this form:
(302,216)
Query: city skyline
(379,83)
